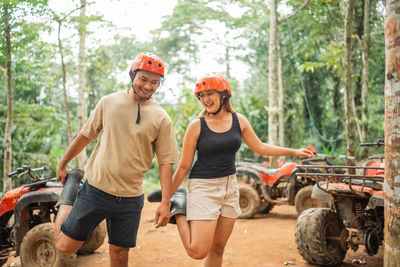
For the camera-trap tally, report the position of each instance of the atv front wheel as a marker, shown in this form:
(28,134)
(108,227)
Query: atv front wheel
(249,201)
(265,206)
(94,241)
(318,234)
(37,248)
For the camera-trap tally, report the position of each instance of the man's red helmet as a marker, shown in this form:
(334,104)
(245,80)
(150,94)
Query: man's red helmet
(147,61)
(214,81)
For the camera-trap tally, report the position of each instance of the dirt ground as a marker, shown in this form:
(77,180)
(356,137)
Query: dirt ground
(266,240)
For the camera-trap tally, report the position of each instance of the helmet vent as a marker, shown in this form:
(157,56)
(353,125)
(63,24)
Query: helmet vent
(150,62)
(159,65)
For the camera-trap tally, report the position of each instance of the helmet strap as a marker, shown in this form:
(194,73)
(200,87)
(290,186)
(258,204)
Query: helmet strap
(222,102)
(132,74)
(138,113)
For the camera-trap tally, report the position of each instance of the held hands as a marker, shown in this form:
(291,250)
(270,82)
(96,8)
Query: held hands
(162,214)
(303,153)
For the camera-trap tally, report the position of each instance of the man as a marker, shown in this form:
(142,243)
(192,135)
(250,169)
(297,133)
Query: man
(133,127)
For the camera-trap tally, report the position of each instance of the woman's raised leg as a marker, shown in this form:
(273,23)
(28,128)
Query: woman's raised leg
(197,236)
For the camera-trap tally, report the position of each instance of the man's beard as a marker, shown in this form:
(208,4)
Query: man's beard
(141,98)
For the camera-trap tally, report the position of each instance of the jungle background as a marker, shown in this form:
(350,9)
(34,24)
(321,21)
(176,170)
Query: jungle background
(293,87)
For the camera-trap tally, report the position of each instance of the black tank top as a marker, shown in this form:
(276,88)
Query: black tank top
(216,151)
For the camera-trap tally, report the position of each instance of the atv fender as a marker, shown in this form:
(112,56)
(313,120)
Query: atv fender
(251,173)
(292,186)
(375,201)
(318,193)
(33,197)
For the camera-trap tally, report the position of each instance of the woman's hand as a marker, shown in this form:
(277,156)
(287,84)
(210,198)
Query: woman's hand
(303,153)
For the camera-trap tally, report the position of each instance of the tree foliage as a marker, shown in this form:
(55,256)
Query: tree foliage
(313,72)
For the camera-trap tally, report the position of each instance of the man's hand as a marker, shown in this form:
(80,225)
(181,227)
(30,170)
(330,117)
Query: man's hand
(162,214)
(62,173)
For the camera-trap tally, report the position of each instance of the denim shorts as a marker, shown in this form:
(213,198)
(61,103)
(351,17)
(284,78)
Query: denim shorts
(92,206)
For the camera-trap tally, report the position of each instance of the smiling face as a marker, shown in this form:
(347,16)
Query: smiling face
(210,99)
(146,84)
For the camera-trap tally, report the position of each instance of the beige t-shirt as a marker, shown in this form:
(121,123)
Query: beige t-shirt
(125,150)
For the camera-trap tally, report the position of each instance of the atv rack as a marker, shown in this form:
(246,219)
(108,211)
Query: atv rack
(356,182)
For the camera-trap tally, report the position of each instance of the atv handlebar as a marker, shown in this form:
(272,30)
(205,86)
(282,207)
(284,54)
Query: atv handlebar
(379,143)
(29,170)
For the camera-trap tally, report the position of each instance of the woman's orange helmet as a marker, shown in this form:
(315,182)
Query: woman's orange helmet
(214,81)
(147,61)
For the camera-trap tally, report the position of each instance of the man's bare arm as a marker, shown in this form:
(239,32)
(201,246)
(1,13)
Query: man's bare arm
(77,145)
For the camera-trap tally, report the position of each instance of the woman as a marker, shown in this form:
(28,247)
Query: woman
(213,193)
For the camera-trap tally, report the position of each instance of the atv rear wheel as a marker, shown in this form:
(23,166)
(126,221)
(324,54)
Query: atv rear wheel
(2,261)
(249,201)
(303,200)
(94,241)
(318,233)
(266,207)
(242,177)
(38,249)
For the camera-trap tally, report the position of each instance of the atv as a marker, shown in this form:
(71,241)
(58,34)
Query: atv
(27,216)
(355,216)
(261,188)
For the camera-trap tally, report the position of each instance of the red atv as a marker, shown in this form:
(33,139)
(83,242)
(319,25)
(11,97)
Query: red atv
(355,216)
(27,215)
(262,187)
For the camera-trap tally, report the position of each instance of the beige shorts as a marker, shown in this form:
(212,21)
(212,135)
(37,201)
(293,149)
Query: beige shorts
(210,198)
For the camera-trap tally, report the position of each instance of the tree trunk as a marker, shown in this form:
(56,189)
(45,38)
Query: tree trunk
(392,135)
(82,79)
(64,83)
(227,61)
(337,105)
(273,110)
(358,29)
(348,96)
(8,132)
(281,101)
(364,79)
(272,75)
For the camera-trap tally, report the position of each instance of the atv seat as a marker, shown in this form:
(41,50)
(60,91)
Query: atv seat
(371,184)
(267,171)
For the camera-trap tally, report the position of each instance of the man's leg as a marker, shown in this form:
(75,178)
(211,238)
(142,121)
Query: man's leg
(118,256)
(122,227)
(63,243)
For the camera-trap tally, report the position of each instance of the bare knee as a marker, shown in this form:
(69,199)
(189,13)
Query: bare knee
(118,256)
(63,248)
(65,244)
(218,249)
(196,253)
